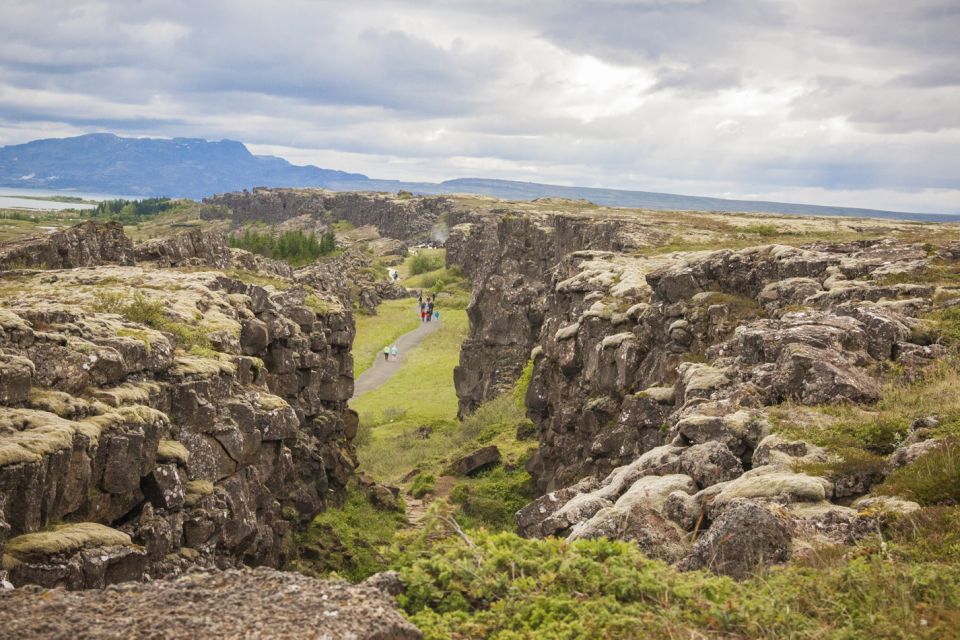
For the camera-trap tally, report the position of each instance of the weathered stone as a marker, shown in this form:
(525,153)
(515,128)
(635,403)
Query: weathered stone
(476,461)
(710,463)
(745,537)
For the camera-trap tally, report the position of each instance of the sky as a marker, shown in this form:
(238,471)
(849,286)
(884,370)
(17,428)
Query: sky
(838,102)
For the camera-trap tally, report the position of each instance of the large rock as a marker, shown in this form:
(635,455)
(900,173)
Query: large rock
(744,537)
(479,460)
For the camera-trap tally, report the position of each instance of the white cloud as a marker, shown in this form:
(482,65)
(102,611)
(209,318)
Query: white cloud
(854,103)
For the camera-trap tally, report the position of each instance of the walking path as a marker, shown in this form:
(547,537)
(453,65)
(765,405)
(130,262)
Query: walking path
(381,370)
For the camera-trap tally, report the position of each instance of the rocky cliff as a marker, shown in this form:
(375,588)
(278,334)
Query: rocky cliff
(403,218)
(660,379)
(153,419)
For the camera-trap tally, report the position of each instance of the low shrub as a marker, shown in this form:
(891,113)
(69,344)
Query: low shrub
(294,247)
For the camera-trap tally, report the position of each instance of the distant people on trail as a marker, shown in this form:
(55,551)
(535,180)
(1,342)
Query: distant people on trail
(420,296)
(423,311)
(393,274)
(386,353)
(429,309)
(394,352)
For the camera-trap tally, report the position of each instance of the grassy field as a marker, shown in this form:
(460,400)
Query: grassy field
(420,394)
(394,318)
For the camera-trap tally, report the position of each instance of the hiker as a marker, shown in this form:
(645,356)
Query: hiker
(394,352)
(423,311)
(386,354)
(429,309)
(393,274)
(436,315)
(420,297)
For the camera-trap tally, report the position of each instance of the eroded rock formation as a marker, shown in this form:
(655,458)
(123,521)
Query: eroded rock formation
(402,218)
(154,419)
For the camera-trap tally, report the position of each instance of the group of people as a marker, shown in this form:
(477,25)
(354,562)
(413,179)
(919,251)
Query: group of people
(428,310)
(391,353)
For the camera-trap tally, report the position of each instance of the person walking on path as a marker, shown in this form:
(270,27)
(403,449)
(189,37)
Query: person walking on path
(429,309)
(386,354)
(423,311)
(394,352)
(420,296)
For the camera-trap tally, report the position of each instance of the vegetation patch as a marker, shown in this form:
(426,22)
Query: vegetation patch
(394,318)
(294,247)
(352,541)
(497,585)
(934,479)
(424,262)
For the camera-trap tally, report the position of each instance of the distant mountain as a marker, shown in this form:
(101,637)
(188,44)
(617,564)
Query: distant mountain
(181,167)
(194,168)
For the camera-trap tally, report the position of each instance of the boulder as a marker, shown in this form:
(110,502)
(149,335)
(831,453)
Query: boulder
(477,461)
(656,536)
(710,463)
(745,537)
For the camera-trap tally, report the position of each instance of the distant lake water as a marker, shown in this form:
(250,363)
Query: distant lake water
(9,199)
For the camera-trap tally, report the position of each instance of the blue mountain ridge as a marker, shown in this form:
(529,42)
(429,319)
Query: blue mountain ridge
(194,168)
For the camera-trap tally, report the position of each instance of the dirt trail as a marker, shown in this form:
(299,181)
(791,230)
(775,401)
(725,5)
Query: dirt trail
(381,370)
(416,508)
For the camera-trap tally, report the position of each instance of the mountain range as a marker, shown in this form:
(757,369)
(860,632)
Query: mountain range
(194,168)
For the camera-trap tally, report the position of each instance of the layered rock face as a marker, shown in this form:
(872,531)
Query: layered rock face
(350,277)
(83,245)
(152,419)
(641,439)
(510,259)
(393,216)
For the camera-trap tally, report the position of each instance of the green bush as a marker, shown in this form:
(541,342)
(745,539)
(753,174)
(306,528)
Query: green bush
(152,313)
(934,479)
(422,263)
(502,586)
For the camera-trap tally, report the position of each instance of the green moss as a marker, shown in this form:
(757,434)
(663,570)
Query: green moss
(66,538)
(492,498)
(320,306)
(172,451)
(933,479)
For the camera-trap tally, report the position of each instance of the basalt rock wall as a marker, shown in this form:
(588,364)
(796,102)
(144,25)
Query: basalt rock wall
(404,218)
(200,422)
(511,260)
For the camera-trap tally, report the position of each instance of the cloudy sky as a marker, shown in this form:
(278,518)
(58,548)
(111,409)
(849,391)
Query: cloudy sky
(848,102)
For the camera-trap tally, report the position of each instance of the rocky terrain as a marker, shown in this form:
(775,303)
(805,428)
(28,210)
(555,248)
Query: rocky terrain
(260,603)
(156,417)
(659,379)
(401,218)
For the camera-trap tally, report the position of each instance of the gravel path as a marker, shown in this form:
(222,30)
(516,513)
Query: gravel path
(257,603)
(381,370)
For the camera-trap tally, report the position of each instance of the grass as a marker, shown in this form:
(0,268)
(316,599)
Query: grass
(934,479)
(394,318)
(350,541)
(419,394)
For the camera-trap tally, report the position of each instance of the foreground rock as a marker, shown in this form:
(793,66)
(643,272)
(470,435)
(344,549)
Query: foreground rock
(260,603)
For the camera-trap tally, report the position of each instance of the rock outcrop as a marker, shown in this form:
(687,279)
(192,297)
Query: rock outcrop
(652,375)
(172,417)
(402,218)
(86,244)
